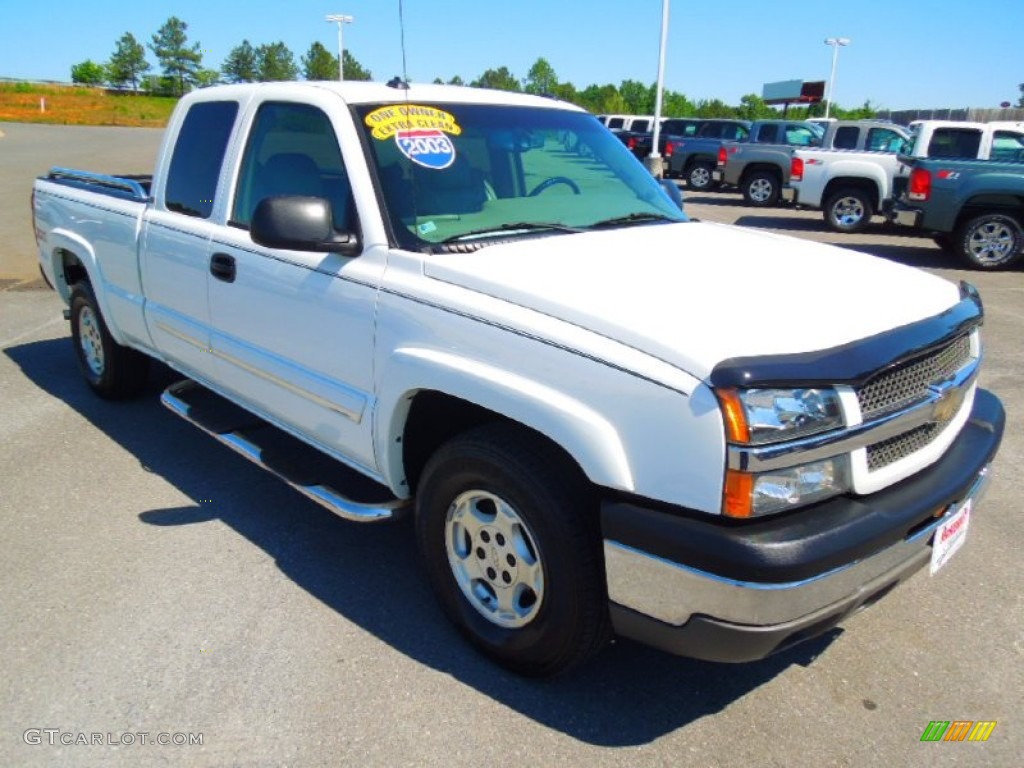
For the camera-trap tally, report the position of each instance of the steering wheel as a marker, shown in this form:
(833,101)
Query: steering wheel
(551,182)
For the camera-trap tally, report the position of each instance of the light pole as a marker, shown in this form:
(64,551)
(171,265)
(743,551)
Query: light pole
(340,20)
(835,42)
(653,160)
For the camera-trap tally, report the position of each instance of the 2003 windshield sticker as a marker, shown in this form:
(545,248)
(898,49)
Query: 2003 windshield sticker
(419,133)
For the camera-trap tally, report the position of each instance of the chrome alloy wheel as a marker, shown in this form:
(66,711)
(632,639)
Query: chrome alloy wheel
(761,190)
(700,177)
(992,243)
(848,212)
(494,559)
(90,340)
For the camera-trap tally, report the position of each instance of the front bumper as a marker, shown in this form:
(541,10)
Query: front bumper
(723,590)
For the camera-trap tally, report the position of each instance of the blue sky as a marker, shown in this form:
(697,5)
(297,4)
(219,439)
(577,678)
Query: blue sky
(904,53)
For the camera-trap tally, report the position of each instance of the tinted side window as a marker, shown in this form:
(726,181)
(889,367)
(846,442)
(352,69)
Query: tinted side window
(884,140)
(198,157)
(767,134)
(615,122)
(711,131)
(846,137)
(801,136)
(1008,147)
(954,142)
(292,150)
(640,125)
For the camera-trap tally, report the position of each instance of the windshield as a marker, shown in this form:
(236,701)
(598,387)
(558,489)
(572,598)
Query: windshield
(464,172)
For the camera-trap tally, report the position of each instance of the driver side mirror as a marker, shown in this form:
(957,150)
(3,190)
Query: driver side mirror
(300,224)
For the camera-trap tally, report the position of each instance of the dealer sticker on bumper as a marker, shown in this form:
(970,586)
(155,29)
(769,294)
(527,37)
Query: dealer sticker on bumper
(950,536)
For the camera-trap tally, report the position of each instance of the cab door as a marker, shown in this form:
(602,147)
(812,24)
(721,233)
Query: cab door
(292,331)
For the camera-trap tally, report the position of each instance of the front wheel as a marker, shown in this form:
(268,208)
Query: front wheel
(112,371)
(849,210)
(989,241)
(508,532)
(761,189)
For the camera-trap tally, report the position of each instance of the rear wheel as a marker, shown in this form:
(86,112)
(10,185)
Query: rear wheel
(848,210)
(508,532)
(989,241)
(699,178)
(761,189)
(112,371)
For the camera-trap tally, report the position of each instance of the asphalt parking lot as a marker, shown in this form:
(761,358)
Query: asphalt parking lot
(156,583)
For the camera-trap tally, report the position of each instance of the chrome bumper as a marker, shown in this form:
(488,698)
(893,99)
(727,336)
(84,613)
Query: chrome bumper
(673,593)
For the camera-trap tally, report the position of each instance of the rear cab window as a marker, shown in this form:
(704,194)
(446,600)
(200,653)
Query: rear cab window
(198,157)
(954,143)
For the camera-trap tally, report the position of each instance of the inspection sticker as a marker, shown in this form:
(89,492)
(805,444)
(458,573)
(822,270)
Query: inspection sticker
(421,133)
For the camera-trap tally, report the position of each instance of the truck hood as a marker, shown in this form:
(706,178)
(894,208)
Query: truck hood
(696,293)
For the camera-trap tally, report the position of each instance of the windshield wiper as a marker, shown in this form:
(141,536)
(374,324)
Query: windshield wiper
(527,226)
(631,218)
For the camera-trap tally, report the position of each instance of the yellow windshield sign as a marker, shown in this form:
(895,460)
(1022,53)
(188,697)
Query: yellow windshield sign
(385,122)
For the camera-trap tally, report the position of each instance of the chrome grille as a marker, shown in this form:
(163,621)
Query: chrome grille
(895,448)
(903,386)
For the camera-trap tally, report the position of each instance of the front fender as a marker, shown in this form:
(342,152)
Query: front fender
(592,441)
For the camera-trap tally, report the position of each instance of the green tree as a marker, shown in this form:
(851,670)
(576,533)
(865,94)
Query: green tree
(541,78)
(240,65)
(500,79)
(354,70)
(207,77)
(456,81)
(319,64)
(638,97)
(88,72)
(752,107)
(714,108)
(179,60)
(275,62)
(676,104)
(1020,101)
(128,62)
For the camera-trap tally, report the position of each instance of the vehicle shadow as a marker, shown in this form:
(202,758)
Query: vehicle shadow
(630,695)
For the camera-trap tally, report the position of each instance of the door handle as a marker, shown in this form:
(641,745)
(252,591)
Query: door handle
(222,267)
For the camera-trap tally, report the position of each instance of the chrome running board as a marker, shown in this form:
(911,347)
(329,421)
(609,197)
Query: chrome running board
(328,482)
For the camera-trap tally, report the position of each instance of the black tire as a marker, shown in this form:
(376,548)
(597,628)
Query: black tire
(112,371)
(699,177)
(555,612)
(989,241)
(761,189)
(849,210)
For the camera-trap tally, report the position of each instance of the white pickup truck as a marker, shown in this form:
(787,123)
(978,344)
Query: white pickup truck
(604,417)
(849,182)
(863,178)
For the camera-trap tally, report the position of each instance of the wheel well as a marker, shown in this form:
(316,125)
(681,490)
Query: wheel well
(750,170)
(435,418)
(695,159)
(1005,207)
(864,185)
(71,268)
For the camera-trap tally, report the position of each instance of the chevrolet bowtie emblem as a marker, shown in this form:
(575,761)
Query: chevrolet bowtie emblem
(949,398)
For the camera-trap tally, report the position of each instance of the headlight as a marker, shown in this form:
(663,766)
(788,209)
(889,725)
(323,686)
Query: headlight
(755,416)
(752,495)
